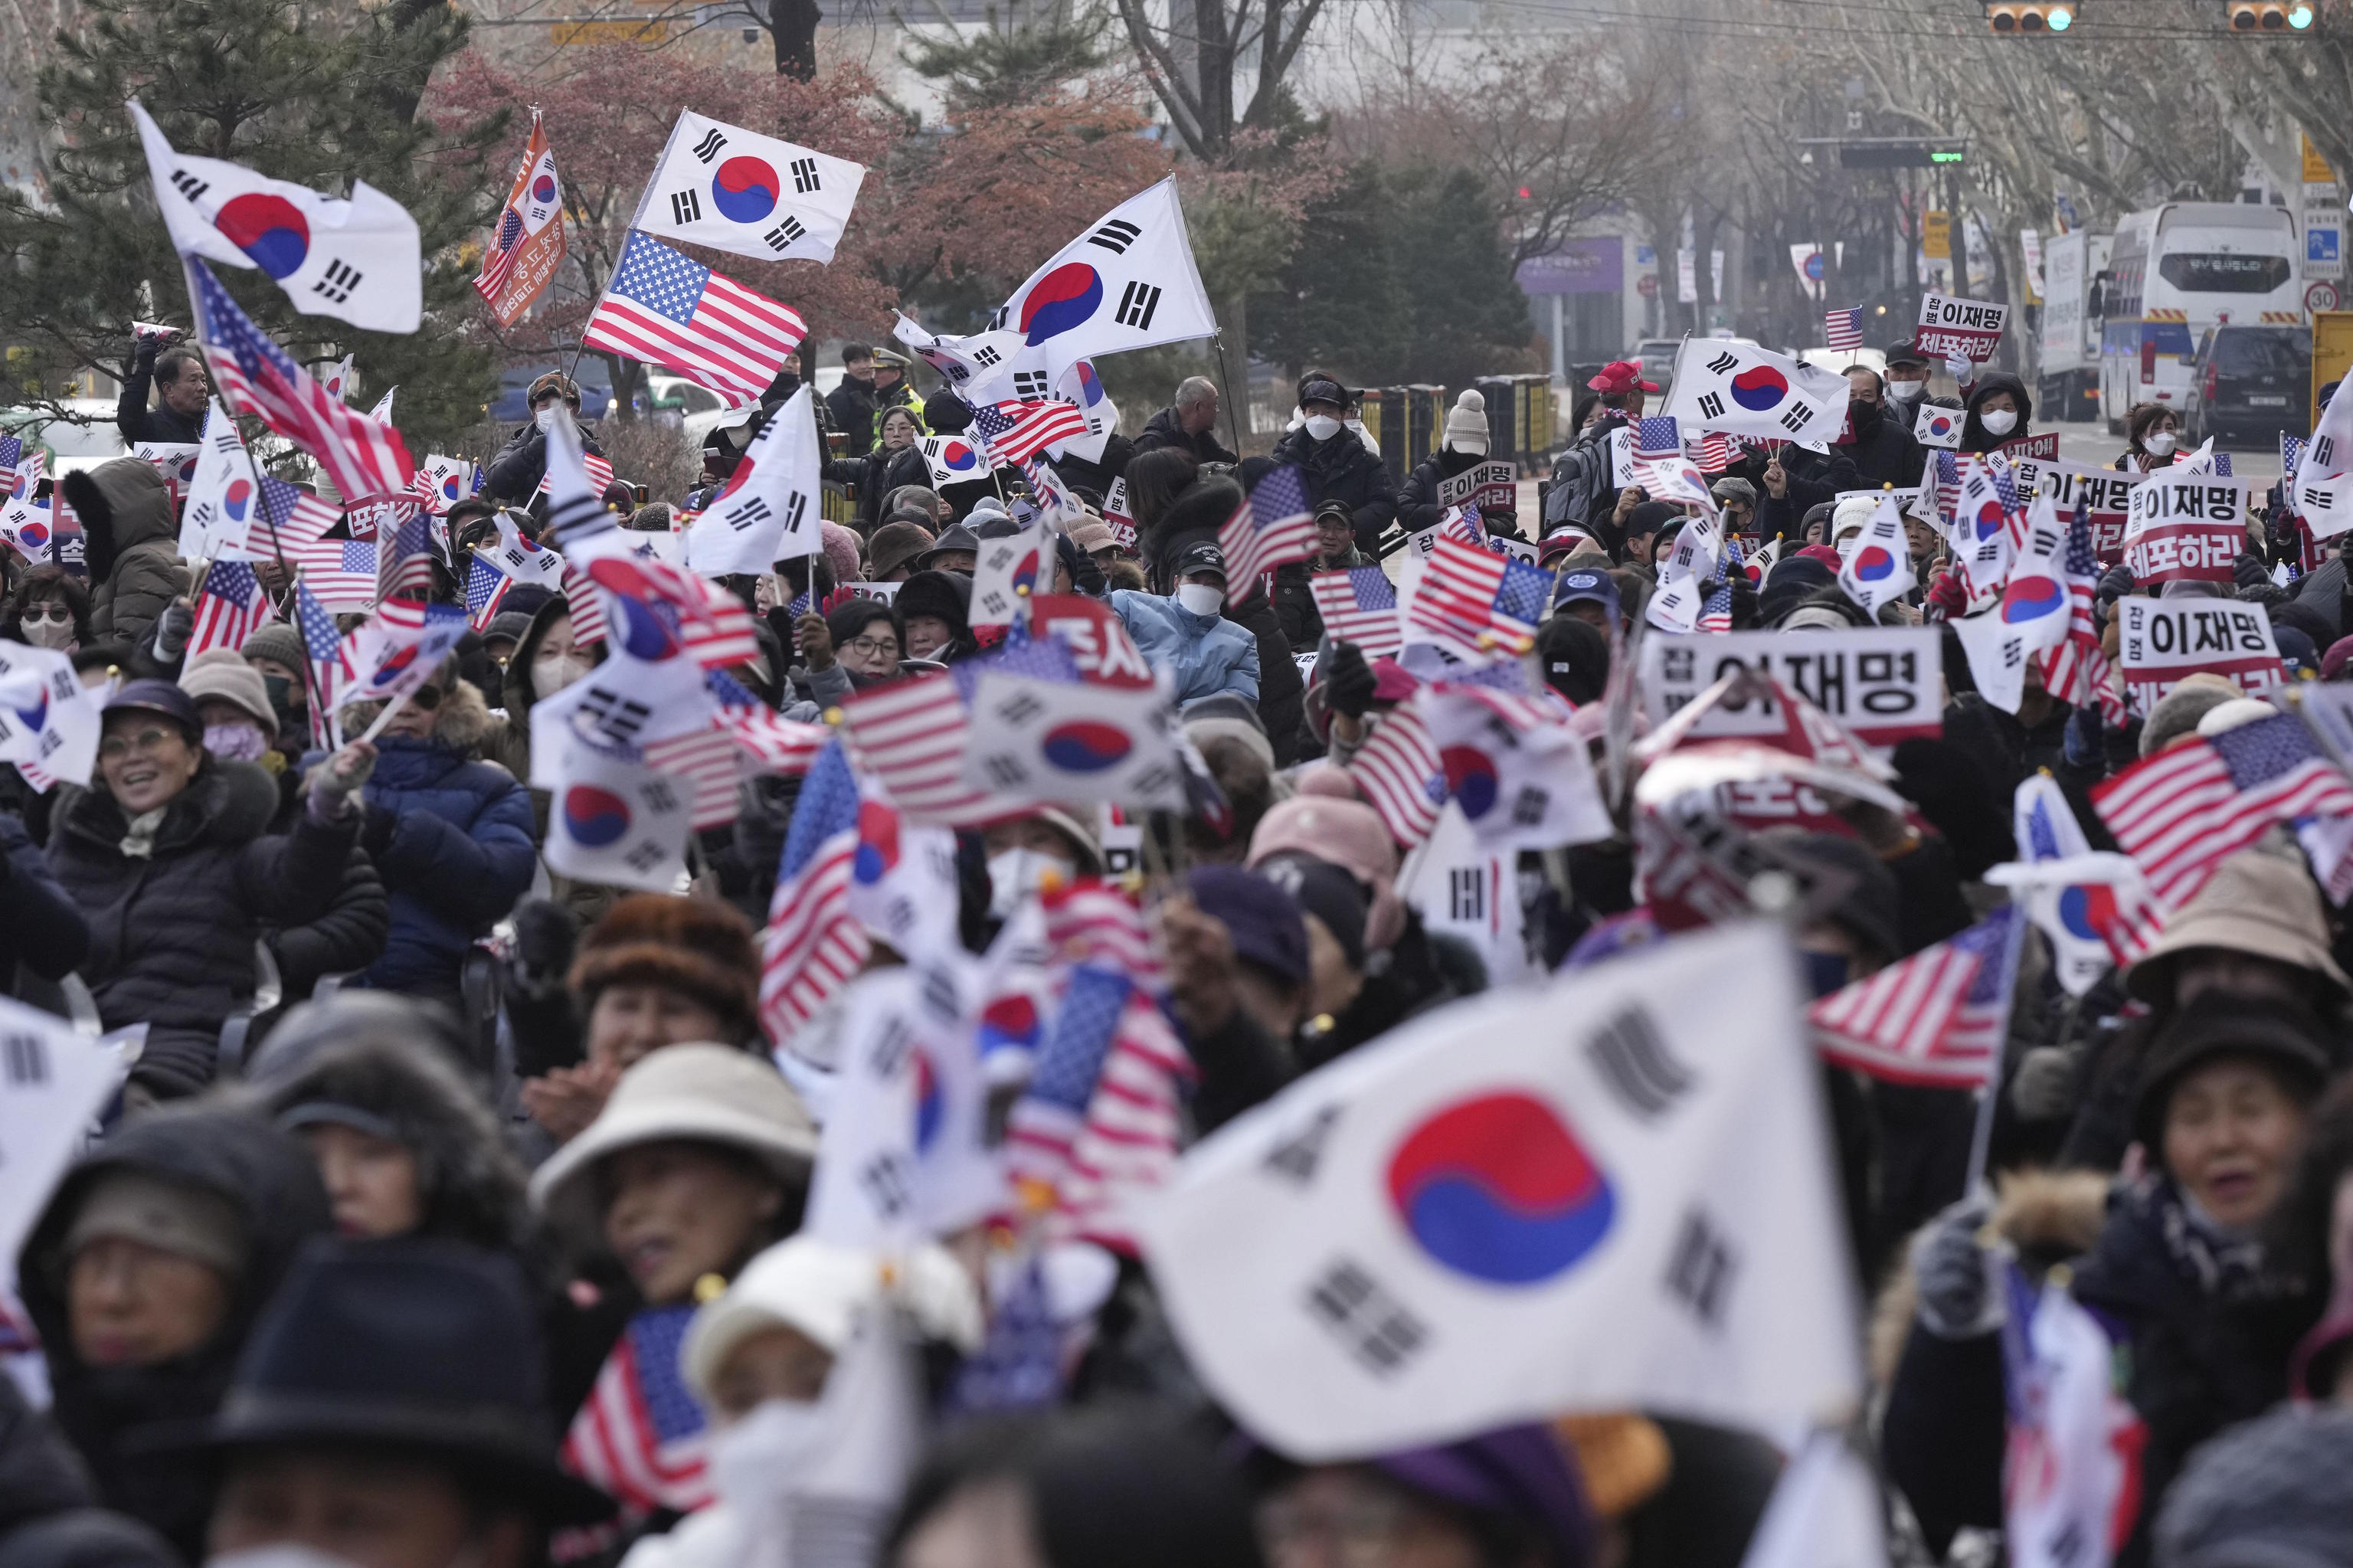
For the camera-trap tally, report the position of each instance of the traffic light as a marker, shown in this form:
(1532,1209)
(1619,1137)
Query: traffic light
(2270,15)
(2007,16)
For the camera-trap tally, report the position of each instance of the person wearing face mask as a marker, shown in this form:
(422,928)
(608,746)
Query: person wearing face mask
(1465,448)
(1050,846)
(1336,463)
(514,475)
(546,660)
(143,1275)
(2152,436)
(390,1411)
(168,853)
(1907,385)
(1184,633)
(50,609)
(277,655)
(1880,441)
(760,1358)
(2000,410)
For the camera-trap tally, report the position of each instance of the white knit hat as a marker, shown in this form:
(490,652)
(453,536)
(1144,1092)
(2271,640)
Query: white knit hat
(1851,516)
(817,1289)
(1466,422)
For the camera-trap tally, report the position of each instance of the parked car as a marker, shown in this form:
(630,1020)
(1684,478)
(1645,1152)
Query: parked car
(1658,357)
(596,390)
(2248,383)
(84,437)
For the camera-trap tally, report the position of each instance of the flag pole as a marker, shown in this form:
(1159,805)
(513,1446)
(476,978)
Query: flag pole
(1225,379)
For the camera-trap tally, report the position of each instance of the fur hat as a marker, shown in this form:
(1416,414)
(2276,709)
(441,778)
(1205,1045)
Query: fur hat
(1466,422)
(696,947)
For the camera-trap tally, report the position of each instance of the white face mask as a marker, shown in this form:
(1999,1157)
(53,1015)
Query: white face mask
(1323,426)
(284,1554)
(2160,444)
(1201,599)
(552,674)
(1998,421)
(1015,873)
(1904,391)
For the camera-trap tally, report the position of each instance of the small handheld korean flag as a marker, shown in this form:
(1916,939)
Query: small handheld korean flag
(770,509)
(1720,385)
(737,190)
(2030,618)
(358,261)
(52,1083)
(1005,572)
(614,821)
(1877,568)
(1937,426)
(49,723)
(1606,1192)
(224,496)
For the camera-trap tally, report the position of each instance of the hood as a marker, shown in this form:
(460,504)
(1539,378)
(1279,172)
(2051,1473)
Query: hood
(473,1185)
(227,802)
(1973,434)
(125,498)
(265,1174)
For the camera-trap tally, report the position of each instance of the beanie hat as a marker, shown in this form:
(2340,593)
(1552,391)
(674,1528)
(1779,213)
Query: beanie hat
(2178,712)
(1466,422)
(2333,663)
(841,547)
(2288,1038)
(1262,918)
(223,673)
(1573,657)
(1851,516)
(2270,1492)
(819,1289)
(2224,717)
(278,642)
(508,625)
(695,947)
(170,1216)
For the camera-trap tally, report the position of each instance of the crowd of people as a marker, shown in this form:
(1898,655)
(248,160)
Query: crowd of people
(451,1212)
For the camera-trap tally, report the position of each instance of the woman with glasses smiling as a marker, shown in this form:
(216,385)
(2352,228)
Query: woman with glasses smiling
(168,856)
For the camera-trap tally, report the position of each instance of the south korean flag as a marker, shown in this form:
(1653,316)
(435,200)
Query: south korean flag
(770,510)
(737,190)
(1720,385)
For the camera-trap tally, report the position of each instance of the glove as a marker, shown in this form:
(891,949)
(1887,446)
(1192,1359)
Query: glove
(172,629)
(2249,571)
(1947,599)
(544,937)
(2081,742)
(2044,1088)
(1349,687)
(2114,583)
(1962,370)
(336,780)
(1956,1276)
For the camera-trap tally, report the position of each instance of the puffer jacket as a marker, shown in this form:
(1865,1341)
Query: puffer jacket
(172,933)
(1205,654)
(1417,504)
(452,836)
(1342,470)
(514,475)
(344,940)
(41,927)
(271,1182)
(132,545)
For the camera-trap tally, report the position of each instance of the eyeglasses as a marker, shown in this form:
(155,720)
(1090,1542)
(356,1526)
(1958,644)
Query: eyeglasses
(37,613)
(870,648)
(146,740)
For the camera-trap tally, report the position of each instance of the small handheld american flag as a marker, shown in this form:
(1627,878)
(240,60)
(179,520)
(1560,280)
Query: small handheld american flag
(1479,600)
(2183,811)
(1658,436)
(813,945)
(230,607)
(1842,330)
(641,1435)
(1937,1019)
(668,309)
(1401,775)
(1016,432)
(1359,606)
(1269,528)
(1716,452)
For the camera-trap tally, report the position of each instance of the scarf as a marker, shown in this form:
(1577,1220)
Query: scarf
(139,834)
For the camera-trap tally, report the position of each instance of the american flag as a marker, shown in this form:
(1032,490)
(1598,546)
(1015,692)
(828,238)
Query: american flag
(1016,432)
(587,602)
(813,945)
(1842,330)
(323,644)
(485,590)
(1359,605)
(1479,600)
(404,569)
(1126,1144)
(667,310)
(1716,452)
(229,609)
(1938,1019)
(1400,776)
(1944,474)
(709,760)
(1019,1365)
(1269,528)
(1716,614)
(2291,454)
(1093,922)
(1464,522)
(1658,436)
(770,743)
(2077,671)
(342,572)
(640,1434)
(256,376)
(1042,1127)
(2183,811)
(600,476)
(296,515)
(909,735)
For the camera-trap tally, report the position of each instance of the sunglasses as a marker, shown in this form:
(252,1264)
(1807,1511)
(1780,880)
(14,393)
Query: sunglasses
(426,696)
(37,613)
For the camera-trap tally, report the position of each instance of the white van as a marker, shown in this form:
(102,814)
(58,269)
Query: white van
(2178,270)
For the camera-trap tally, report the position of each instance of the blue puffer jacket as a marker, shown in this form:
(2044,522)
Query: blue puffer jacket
(1207,654)
(452,839)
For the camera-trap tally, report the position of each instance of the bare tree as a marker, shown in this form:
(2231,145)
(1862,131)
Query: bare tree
(1193,58)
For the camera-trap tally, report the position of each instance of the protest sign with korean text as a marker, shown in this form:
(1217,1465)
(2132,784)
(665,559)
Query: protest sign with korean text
(2043,447)
(1493,486)
(2106,494)
(2185,530)
(1969,328)
(2164,640)
(1881,682)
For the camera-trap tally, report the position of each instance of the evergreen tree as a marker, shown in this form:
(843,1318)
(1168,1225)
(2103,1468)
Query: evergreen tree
(1464,316)
(304,92)
(1031,53)
(1338,305)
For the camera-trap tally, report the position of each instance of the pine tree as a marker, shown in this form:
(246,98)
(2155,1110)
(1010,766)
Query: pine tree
(303,93)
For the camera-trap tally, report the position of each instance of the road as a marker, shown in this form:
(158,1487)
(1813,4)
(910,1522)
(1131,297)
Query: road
(2091,444)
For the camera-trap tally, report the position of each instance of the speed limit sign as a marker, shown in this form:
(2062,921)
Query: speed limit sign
(2320,297)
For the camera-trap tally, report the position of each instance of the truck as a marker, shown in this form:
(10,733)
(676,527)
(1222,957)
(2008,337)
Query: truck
(2072,264)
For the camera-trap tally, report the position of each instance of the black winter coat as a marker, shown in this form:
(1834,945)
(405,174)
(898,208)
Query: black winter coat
(172,935)
(1163,430)
(1342,470)
(273,1183)
(1417,504)
(1888,455)
(1813,479)
(40,926)
(136,420)
(514,475)
(342,942)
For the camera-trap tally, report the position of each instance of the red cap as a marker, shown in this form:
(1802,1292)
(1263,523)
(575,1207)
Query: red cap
(1620,376)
